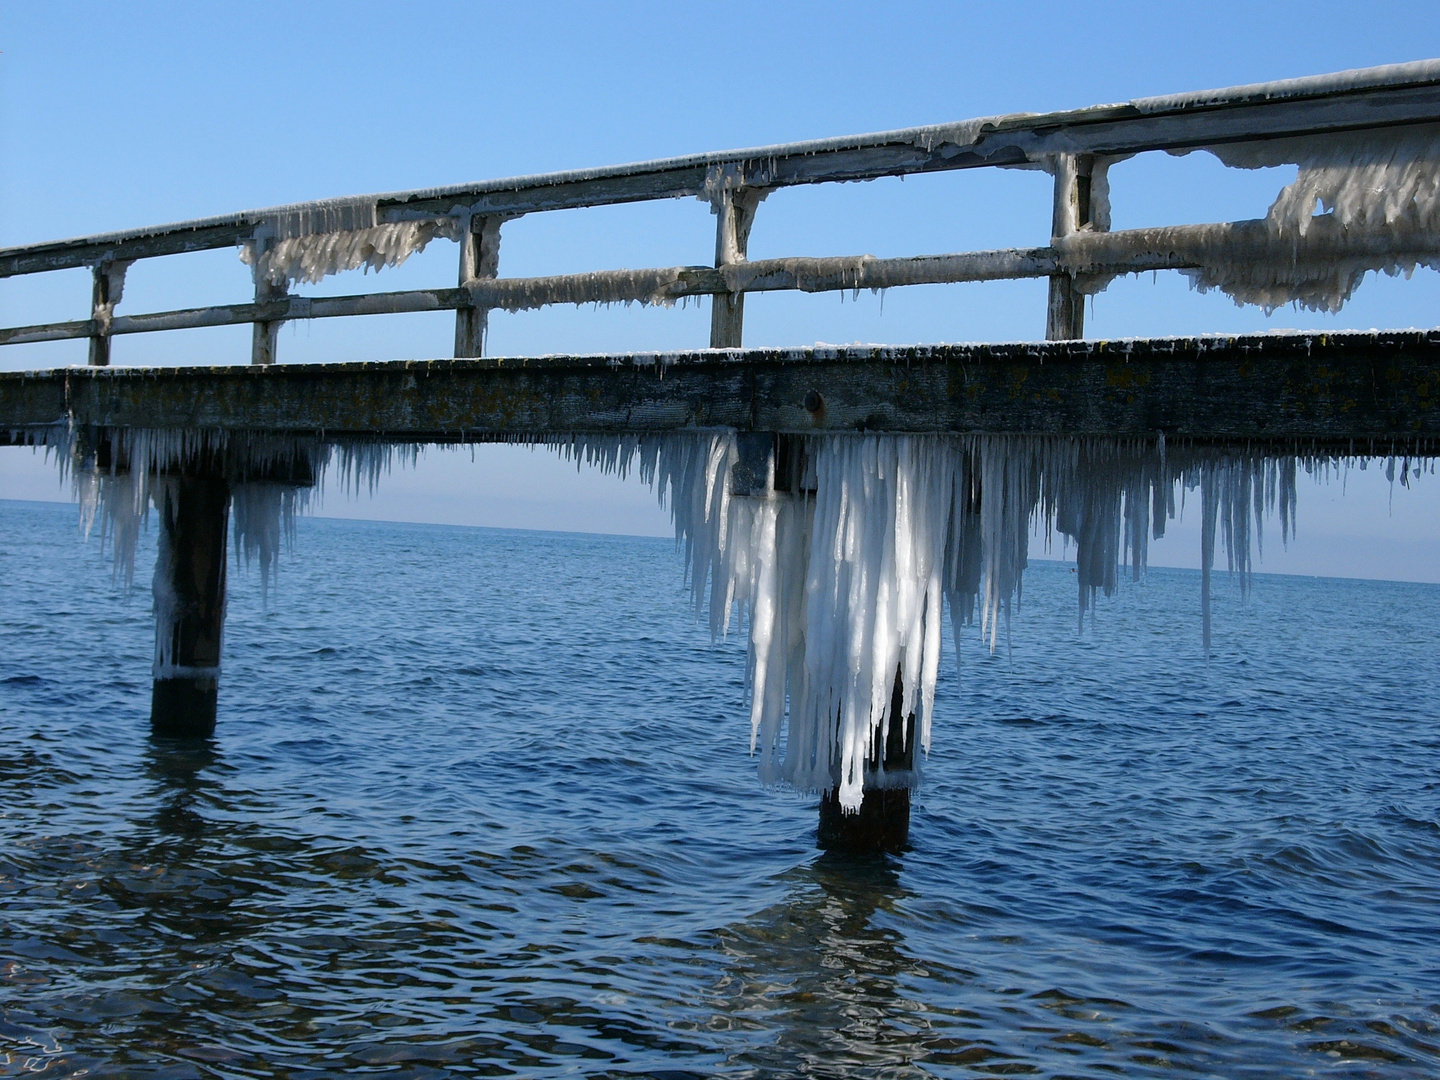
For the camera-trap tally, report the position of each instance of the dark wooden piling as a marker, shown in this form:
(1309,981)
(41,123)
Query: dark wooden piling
(883,821)
(189,604)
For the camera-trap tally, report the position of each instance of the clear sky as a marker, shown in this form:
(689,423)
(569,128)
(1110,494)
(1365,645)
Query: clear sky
(114,116)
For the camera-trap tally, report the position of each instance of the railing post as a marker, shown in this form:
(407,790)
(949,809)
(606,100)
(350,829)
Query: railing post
(107,285)
(479,260)
(264,334)
(1065,315)
(735,213)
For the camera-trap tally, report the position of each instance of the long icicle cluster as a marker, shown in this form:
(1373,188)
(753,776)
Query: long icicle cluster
(116,496)
(842,584)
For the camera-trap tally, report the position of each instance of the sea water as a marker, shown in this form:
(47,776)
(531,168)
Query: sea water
(480,803)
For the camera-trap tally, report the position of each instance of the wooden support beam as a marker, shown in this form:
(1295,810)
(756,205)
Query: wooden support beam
(734,215)
(479,261)
(1327,389)
(769,463)
(189,603)
(264,336)
(753,473)
(883,820)
(1065,313)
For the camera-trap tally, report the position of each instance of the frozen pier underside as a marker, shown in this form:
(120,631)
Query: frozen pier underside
(1352,392)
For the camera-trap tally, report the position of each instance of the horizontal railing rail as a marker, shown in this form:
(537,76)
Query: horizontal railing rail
(1071,145)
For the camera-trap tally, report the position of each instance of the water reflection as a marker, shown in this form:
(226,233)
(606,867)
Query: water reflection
(183,774)
(820,980)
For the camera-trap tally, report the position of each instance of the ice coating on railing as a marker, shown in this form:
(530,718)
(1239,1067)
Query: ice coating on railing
(1378,189)
(1379,183)
(312,257)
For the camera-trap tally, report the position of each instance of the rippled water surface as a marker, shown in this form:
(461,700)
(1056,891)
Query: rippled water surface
(480,803)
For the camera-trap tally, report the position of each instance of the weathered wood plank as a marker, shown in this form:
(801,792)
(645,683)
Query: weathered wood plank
(1003,140)
(103,279)
(1331,389)
(479,261)
(265,333)
(131,244)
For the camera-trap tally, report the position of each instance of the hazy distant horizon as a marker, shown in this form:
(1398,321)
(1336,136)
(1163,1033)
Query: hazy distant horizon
(1340,556)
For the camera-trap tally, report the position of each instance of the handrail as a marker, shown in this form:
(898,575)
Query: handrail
(1069,144)
(1178,247)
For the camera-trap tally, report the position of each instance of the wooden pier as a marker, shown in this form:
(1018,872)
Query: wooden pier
(1347,393)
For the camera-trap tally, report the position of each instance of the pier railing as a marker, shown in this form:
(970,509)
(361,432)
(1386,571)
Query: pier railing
(1075,147)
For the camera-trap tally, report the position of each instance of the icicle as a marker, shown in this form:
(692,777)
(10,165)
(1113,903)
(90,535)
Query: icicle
(115,498)
(311,257)
(1207,551)
(264,515)
(841,585)
(843,589)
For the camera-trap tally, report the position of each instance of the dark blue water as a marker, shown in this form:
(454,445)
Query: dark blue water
(479,803)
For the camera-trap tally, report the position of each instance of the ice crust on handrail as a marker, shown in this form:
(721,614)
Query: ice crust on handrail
(311,257)
(1382,184)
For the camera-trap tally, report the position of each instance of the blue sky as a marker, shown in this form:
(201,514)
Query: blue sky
(114,116)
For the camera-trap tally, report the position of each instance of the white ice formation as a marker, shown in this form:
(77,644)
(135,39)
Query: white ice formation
(842,582)
(309,242)
(1382,186)
(312,258)
(273,478)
